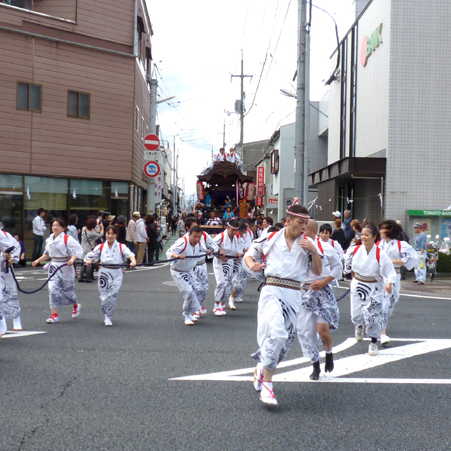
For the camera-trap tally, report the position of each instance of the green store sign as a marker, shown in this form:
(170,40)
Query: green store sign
(370,44)
(446,213)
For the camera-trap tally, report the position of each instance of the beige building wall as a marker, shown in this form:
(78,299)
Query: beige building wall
(108,145)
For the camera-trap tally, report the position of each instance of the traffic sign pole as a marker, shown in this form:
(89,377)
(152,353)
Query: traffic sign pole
(149,143)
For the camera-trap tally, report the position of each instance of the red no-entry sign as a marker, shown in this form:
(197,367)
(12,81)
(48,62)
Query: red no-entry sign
(151,142)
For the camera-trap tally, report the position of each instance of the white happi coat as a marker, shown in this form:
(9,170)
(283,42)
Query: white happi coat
(200,270)
(239,277)
(11,305)
(110,279)
(396,250)
(224,270)
(62,286)
(278,307)
(367,298)
(321,305)
(337,247)
(5,243)
(182,271)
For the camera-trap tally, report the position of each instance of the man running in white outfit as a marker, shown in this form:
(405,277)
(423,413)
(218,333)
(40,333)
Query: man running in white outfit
(287,259)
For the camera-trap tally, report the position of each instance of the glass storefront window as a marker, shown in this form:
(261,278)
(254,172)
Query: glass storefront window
(119,198)
(43,192)
(91,196)
(11,203)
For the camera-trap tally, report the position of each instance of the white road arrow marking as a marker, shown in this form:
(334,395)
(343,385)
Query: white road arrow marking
(344,366)
(24,333)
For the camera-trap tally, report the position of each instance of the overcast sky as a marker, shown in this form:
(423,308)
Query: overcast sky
(196,47)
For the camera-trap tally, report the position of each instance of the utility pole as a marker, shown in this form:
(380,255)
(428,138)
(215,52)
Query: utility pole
(307,119)
(299,170)
(174,175)
(153,128)
(241,106)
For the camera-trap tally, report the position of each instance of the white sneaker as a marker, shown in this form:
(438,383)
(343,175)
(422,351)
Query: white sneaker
(3,327)
(232,304)
(238,300)
(195,316)
(267,395)
(217,312)
(203,311)
(17,325)
(52,320)
(76,311)
(385,340)
(258,376)
(222,310)
(359,333)
(189,320)
(108,321)
(372,350)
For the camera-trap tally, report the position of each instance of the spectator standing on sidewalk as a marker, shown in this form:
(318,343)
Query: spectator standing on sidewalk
(347,227)
(132,232)
(402,237)
(120,224)
(152,236)
(141,239)
(339,235)
(38,231)
(420,247)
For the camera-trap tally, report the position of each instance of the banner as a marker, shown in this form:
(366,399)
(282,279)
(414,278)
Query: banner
(200,191)
(250,192)
(261,181)
(259,201)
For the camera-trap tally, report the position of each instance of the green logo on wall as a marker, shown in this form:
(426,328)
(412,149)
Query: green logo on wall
(369,44)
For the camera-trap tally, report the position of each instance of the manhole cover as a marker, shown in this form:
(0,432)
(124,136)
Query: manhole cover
(170,283)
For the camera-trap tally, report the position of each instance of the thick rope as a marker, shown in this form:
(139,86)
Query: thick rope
(6,268)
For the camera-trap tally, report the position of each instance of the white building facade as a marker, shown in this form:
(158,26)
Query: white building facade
(388,137)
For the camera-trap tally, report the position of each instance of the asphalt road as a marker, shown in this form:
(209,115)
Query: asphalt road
(83,386)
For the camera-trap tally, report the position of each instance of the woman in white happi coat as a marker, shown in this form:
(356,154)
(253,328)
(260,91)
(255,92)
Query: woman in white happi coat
(227,242)
(200,270)
(63,250)
(11,305)
(239,276)
(110,279)
(325,231)
(287,258)
(182,271)
(4,259)
(319,312)
(372,273)
(401,254)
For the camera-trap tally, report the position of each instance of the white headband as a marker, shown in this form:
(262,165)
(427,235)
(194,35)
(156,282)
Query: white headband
(234,228)
(299,215)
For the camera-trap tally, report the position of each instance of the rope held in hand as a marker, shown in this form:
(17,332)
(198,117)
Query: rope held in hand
(7,268)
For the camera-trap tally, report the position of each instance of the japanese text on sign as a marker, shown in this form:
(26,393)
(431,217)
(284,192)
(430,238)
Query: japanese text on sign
(260,181)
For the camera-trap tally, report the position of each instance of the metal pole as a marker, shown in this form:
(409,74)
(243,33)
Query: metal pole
(153,129)
(174,210)
(240,154)
(300,105)
(307,120)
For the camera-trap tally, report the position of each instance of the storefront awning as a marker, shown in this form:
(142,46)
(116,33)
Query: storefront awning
(346,169)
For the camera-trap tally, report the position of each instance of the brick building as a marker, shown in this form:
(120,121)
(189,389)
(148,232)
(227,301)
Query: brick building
(74,108)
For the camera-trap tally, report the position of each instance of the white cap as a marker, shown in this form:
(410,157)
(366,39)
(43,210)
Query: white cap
(337,214)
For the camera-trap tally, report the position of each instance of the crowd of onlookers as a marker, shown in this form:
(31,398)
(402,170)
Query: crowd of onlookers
(142,235)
